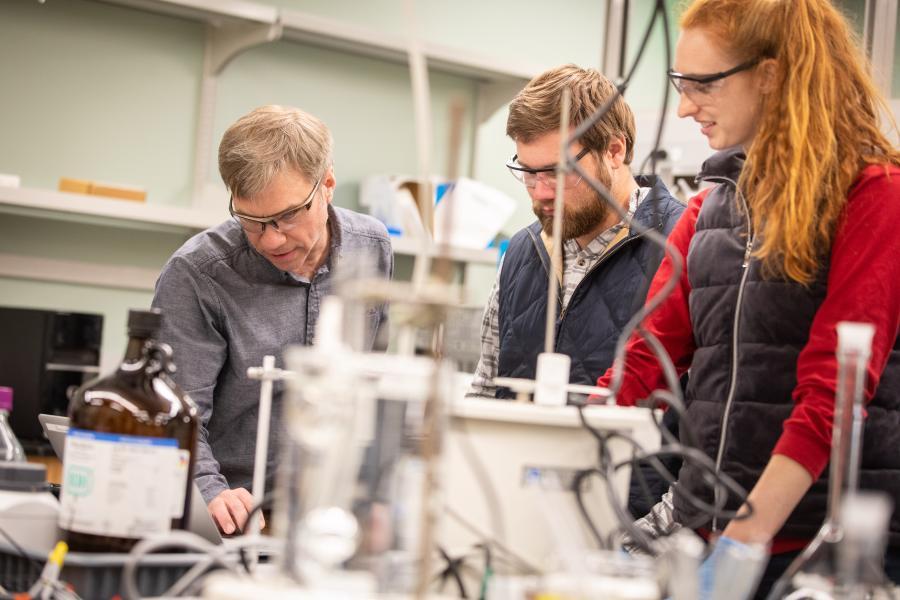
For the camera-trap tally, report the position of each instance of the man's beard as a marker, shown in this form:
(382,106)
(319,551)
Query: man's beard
(581,220)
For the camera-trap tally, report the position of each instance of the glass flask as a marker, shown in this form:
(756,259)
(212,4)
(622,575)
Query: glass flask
(821,570)
(358,486)
(10,447)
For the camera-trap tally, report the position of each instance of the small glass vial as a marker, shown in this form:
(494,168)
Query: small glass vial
(10,448)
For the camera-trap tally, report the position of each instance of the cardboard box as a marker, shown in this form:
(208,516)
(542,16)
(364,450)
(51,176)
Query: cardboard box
(97,188)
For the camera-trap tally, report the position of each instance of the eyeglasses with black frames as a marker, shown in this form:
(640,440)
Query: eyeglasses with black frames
(701,86)
(284,221)
(546,175)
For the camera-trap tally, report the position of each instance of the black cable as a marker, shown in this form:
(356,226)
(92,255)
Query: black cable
(669,371)
(607,473)
(242,555)
(34,563)
(674,447)
(675,404)
(453,570)
(513,559)
(623,47)
(655,152)
(671,376)
(653,155)
(637,535)
(603,459)
(652,234)
(716,479)
(689,454)
(649,497)
(264,504)
(579,500)
(586,125)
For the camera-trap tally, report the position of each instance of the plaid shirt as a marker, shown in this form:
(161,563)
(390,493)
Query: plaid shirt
(576,264)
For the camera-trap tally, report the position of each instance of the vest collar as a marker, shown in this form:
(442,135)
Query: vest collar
(652,211)
(727,163)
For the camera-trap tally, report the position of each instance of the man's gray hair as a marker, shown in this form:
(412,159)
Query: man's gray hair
(267,140)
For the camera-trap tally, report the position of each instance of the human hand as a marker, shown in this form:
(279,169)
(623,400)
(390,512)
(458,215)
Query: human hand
(732,570)
(230,509)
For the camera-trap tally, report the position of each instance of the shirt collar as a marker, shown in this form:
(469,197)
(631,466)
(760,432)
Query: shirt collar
(334,250)
(599,244)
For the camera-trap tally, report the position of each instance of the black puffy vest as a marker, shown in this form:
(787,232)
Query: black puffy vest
(774,324)
(600,307)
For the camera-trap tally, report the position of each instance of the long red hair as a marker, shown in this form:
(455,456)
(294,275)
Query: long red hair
(818,128)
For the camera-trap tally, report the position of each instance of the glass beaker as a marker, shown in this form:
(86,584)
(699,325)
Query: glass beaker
(359,480)
(817,570)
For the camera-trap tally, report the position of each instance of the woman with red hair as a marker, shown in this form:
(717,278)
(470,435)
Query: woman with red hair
(798,233)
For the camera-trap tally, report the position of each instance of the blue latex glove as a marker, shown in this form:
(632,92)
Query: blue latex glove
(731,571)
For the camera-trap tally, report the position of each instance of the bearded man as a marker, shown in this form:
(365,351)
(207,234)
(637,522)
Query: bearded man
(607,263)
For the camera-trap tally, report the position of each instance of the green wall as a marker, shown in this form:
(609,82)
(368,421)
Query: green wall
(102,92)
(97,91)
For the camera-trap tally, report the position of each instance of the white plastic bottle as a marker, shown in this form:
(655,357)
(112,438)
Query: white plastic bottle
(28,511)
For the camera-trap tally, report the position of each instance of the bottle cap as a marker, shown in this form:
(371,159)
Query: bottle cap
(552,379)
(144,322)
(855,337)
(23,477)
(6,398)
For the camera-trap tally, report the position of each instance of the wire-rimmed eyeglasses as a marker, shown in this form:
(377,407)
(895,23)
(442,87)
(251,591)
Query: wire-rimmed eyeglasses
(283,221)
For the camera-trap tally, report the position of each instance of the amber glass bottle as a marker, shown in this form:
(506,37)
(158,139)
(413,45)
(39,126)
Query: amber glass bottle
(129,457)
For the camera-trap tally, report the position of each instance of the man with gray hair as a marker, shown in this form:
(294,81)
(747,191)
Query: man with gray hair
(254,284)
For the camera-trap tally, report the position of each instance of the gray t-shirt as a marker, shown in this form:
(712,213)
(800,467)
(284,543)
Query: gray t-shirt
(225,307)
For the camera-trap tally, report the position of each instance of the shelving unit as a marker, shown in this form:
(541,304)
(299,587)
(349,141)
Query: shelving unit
(134,215)
(233,26)
(121,213)
(330,33)
(488,256)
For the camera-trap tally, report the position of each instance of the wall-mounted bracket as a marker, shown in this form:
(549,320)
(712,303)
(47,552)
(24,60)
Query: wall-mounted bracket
(226,41)
(223,43)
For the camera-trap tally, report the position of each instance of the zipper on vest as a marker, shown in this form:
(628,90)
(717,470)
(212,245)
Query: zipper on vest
(538,244)
(600,262)
(748,250)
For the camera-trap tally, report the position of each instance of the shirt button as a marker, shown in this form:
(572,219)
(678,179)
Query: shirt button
(580,262)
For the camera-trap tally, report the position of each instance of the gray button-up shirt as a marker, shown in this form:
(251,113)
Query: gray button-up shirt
(224,307)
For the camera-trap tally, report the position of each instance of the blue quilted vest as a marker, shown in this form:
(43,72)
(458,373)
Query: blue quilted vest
(601,305)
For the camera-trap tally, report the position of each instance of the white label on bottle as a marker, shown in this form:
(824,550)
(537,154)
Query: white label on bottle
(121,485)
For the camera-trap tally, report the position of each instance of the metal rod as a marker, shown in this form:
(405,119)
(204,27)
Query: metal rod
(262,439)
(418,72)
(556,238)
(443,264)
